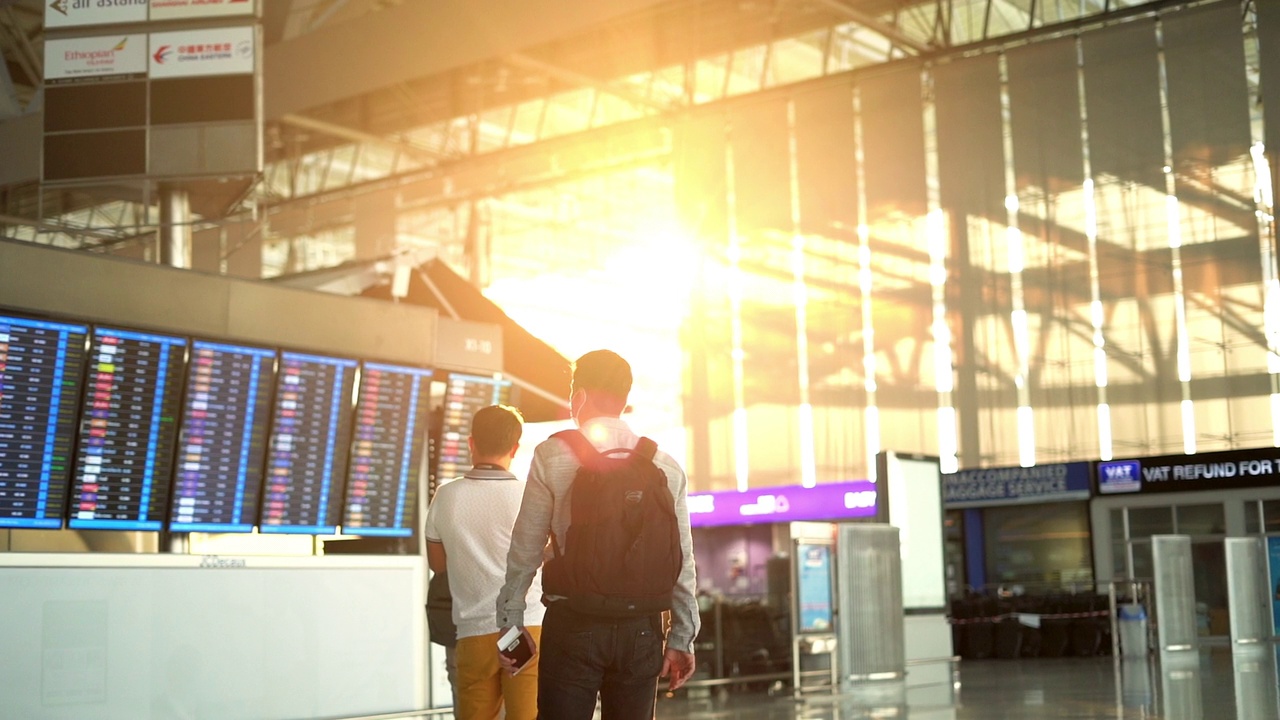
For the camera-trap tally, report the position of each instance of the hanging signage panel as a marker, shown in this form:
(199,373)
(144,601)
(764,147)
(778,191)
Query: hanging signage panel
(75,13)
(72,59)
(1230,469)
(193,53)
(1016,485)
(188,9)
(791,503)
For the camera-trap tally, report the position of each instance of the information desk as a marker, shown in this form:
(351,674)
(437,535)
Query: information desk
(41,369)
(151,637)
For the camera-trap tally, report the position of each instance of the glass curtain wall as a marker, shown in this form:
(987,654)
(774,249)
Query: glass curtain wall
(1040,254)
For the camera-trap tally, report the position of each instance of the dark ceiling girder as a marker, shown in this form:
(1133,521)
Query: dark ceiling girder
(415,39)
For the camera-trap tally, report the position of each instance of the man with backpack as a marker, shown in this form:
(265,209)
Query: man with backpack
(614,510)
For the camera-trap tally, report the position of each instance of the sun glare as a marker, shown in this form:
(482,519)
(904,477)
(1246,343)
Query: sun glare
(633,297)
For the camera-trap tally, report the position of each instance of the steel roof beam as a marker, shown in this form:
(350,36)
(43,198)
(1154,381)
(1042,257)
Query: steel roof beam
(875,24)
(358,136)
(579,79)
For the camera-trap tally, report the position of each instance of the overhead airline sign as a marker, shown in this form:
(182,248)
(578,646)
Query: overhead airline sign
(191,53)
(828,501)
(1184,473)
(74,59)
(78,13)
(188,9)
(74,13)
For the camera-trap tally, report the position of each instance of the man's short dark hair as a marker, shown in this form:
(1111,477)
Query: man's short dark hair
(606,376)
(496,429)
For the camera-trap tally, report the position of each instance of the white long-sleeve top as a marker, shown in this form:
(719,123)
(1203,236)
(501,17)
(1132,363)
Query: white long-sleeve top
(545,509)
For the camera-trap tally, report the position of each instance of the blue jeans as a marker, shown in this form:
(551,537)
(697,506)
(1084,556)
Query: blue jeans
(583,656)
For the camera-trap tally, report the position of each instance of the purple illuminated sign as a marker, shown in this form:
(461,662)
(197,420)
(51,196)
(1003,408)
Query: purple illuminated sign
(791,503)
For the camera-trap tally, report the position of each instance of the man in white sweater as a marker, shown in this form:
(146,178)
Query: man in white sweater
(469,532)
(615,660)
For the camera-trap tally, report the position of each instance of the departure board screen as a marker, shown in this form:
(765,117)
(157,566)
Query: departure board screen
(310,438)
(386,453)
(223,441)
(41,369)
(127,430)
(463,396)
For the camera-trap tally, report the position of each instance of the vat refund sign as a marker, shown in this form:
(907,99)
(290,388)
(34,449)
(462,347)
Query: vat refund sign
(1183,473)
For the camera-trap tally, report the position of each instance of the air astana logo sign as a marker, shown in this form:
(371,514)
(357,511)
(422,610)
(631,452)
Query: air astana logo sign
(76,13)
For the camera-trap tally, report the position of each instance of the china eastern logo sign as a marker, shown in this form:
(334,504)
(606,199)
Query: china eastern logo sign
(1123,476)
(215,51)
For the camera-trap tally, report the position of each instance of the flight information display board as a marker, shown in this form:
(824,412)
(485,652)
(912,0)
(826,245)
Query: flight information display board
(464,395)
(41,369)
(310,439)
(222,442)
(386,453)
(127,431)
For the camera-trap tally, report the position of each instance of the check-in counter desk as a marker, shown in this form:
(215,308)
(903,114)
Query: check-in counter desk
(141,637)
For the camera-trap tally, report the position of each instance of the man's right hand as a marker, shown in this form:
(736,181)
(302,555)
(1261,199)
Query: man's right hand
(507,663)
(678,666)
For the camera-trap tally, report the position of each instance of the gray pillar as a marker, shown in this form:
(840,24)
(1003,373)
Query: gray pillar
(175,227)
(375,224)
(970,301)
(1175,593)
(872,644)
(1182,697)
(1257,695)
(1248,596)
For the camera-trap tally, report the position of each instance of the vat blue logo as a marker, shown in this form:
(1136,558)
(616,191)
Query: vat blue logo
(1122,476)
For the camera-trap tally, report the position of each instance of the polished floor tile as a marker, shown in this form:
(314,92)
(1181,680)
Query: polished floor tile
(1211,686)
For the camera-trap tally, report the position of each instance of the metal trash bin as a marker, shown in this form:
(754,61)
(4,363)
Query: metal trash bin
(1132,622)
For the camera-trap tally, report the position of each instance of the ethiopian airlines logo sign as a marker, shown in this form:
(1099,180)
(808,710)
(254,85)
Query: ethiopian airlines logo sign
(74,13)
(76,58)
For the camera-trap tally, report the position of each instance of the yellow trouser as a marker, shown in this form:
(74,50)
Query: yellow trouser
(483,685)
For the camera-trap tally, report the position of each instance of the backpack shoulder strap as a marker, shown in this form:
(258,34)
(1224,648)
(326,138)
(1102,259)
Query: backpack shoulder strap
(646,448)
(581,447)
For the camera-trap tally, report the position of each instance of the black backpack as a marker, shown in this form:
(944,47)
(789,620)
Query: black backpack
(623,545)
